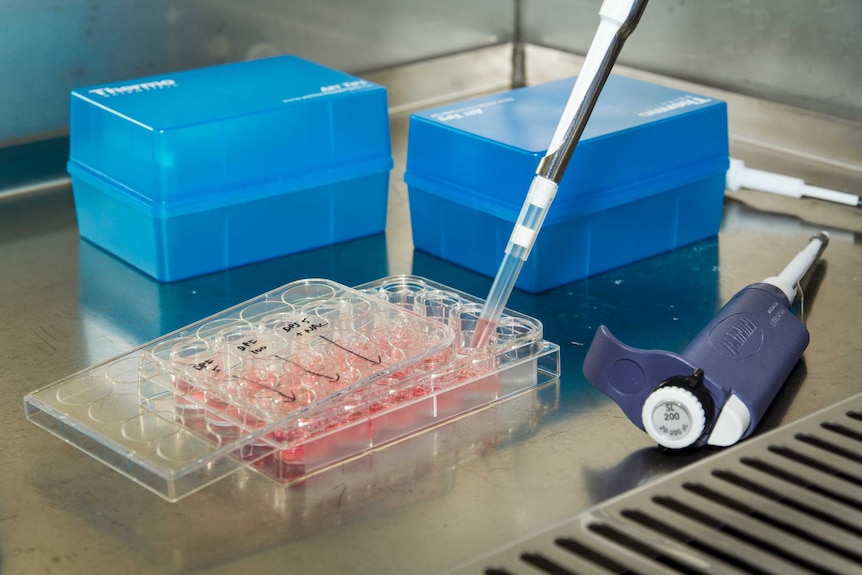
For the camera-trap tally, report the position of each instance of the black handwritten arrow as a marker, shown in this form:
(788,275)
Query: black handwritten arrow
(368,359)
(306,370)
(291,397)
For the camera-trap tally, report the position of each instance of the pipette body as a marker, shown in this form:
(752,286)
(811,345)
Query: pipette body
(618,19)
(718,388)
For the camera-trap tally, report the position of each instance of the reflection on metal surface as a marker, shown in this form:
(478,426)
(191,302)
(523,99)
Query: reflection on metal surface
(422,469)
(739,216)
(158,308)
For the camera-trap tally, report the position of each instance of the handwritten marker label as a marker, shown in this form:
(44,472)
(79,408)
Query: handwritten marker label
(303,327)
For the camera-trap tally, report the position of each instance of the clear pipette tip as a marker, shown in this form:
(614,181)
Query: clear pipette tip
(501,289)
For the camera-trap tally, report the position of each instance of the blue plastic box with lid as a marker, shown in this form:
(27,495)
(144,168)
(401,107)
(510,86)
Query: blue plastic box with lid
(198,171)
(646,177)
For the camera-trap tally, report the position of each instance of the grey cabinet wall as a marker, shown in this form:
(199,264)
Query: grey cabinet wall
(801,52)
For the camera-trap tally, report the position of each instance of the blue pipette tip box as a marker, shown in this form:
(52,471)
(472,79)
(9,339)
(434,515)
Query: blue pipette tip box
(202,170)
(646,177)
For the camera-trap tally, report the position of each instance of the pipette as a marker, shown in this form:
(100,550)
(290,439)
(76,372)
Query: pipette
(618,20)
(741,176)
(718,388)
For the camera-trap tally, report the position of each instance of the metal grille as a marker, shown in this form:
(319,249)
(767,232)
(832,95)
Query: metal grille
(787,502)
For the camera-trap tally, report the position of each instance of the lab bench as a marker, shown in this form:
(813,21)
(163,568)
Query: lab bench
(456,491)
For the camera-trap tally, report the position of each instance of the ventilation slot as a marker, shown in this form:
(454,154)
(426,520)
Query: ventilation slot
(545,565)
(814,464)
(775,496)
(828,446)
(667,530)
(793,479)
(785,503)
(593,556)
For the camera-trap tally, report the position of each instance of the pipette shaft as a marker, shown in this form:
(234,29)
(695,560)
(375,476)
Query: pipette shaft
(618,19)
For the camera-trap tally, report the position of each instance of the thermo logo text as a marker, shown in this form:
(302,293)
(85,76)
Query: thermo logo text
(134,88)
(675,104)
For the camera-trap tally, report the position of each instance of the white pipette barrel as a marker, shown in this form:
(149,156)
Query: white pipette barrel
(790,276)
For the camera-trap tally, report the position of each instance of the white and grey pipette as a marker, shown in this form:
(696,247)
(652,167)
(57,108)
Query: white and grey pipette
(717,389)
(741,176)
(618,20)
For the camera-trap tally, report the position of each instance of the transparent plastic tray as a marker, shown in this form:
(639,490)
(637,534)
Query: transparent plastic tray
(292,382)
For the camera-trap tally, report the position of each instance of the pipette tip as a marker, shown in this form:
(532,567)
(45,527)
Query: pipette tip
(482,335)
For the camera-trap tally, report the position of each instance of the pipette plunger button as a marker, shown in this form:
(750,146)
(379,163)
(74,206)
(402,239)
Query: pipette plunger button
(674,417)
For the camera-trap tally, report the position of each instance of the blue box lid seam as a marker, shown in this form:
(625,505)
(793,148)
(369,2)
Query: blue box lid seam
(227,196)
(595,202)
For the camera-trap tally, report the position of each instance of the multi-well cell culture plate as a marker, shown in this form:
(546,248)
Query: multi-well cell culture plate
(292,382)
